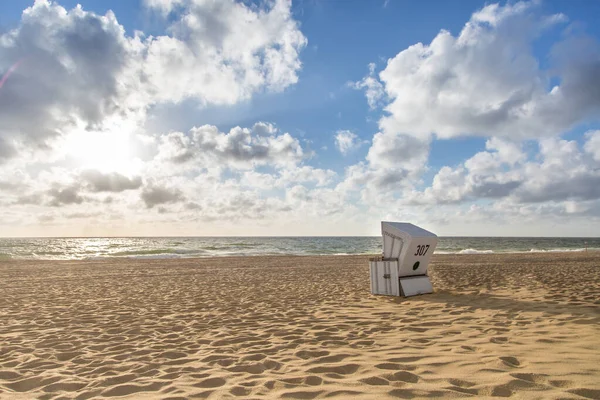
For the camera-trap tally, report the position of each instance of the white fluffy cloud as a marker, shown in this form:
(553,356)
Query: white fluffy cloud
(564,173)
(240,148)
(373,88)
(592,146)
(346,141)
(67,69)
(222,52)
(71,70)
(486,81)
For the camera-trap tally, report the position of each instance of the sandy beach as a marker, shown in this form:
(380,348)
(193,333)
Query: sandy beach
(520,325)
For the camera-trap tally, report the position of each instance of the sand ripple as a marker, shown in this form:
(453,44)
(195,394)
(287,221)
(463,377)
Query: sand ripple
(522,326)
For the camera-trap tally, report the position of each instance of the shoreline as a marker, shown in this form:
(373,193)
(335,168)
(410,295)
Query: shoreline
(174,257)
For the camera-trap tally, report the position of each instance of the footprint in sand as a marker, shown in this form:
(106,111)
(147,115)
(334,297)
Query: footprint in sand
(64,386)
(331,359)
(346,369)
(403,376)
(395,367)
(301,395)
(313,380)
(344,394)
(461,383)
(406,359)
(31,383)
(306,354)
(375,381)
(462,390)
(254,357)
(9,375)
(211,383)
(511,361)
(561,383)
(240,391)
(533,378)
(363,343)
(127,389)
(587,393)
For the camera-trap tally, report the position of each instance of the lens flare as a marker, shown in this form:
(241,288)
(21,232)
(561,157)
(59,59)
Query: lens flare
(12,69)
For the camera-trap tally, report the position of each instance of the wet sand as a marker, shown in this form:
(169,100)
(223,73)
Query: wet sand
(521,325)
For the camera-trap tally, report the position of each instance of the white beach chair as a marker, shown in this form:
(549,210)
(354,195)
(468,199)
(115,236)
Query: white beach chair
(402,271)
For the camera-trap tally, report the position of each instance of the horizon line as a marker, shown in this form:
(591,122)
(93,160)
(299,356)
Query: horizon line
(282,236)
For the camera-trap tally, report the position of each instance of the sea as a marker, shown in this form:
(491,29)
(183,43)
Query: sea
(95,248)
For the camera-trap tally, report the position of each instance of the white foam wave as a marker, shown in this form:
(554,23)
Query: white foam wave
(555,250)
(475,251)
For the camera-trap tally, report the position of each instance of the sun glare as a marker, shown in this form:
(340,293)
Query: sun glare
(105,151)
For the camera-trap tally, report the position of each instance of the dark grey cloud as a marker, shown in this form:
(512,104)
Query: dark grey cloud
(64,196)
(110,182)
(7,150)
(494,190)
(66,68)
(82,215)
(192,206)
(9,186)
(388,179)
(34,199)
(238,148)
(155,195)
(46,218)
(577,63)
(584,186)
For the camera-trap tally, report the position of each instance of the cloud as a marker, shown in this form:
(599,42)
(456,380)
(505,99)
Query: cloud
(240,148)
(110,182)
(64,196)
(487,82)
(306,174)
(374,90)
(346,141)
(74,70)
(563,173)
(7,150)
(592,145)
(393,163)
(154,195)
(164,6)
(223,52)
(70,69)
(82,215)
(35,199)
(394,150)
(287,177)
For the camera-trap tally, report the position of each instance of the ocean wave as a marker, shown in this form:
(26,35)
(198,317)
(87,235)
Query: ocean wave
(136,257)
(475,251)
(4,256)
(136,253)
(558,250)
(515,251)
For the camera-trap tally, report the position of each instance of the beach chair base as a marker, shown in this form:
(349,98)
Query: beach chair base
(415,285)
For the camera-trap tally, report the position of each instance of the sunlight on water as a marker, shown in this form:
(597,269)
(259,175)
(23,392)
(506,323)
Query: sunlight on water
(185,247)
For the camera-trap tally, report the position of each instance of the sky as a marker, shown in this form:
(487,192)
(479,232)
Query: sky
(312,117)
